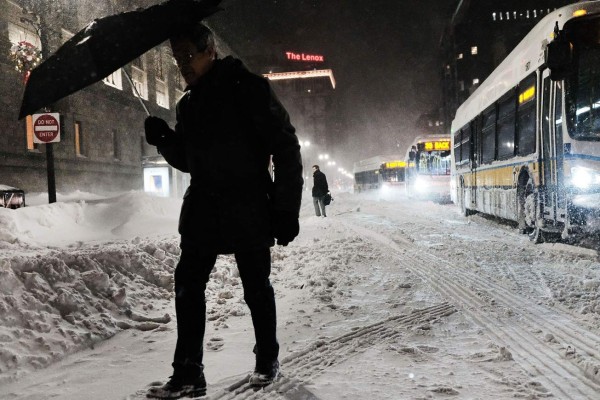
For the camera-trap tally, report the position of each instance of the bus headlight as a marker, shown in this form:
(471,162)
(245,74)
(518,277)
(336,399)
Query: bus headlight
(582,177)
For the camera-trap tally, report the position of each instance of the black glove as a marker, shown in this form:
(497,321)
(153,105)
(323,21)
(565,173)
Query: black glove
(158,132)
(285,227)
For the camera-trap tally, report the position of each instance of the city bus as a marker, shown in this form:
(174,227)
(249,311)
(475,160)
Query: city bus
(428,160)
(384,173)
(526,143)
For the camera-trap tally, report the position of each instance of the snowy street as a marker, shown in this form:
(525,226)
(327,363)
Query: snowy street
(380,300)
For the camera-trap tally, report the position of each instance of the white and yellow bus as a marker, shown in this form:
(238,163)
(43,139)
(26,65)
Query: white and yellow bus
(428,161)
(526,143)
(385,173)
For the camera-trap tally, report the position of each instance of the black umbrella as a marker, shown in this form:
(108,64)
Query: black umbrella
(106,45)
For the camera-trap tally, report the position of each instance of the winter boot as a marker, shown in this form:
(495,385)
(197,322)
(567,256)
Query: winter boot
(264,375)
(178,387)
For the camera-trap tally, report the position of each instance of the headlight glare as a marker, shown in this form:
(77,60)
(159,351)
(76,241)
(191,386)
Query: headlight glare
(583,178)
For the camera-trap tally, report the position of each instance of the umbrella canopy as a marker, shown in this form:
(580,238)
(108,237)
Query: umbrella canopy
(106,45)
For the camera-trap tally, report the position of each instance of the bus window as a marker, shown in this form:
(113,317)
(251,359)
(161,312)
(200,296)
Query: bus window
(488,145)
(506,127)
(466,144)
(558,113)
(457,146)
(526,116)
(582,92)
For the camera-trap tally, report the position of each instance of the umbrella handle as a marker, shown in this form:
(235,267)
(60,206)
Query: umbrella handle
(136,92)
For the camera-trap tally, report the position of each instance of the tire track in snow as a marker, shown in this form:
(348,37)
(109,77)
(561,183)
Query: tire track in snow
(311,362)
(567,379)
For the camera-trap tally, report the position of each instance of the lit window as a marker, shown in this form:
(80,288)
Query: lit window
(161,57)
(114,80)
(534,13)
(474,50)
(460,56)
(162,94)
(514,15)
(139,78)
(78,139)
(461,85)
(494,16)
(527,14)
(507,15)
(475,81)
(29,133)
(17,33)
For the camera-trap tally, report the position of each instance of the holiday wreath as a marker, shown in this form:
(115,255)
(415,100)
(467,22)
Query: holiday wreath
(26,57)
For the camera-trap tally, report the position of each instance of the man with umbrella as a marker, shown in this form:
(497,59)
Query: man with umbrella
(229,126)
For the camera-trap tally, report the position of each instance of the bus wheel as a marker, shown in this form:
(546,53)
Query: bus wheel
(536,235)
(530,209)
(465,210)
(526,204)
(462,201)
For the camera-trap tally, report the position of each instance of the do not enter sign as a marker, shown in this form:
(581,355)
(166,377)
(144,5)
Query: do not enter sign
(46,128)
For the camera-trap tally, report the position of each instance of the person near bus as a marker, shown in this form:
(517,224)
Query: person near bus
(319,191)
(230,125)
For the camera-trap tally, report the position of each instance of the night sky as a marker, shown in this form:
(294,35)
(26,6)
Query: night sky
(384,54)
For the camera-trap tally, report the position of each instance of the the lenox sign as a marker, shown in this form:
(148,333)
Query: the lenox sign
(304,57)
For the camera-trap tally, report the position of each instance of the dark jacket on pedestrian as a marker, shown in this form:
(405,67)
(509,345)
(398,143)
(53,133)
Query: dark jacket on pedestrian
(320,187)
(229,125)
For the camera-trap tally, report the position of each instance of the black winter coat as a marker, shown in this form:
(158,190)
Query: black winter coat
(228,126)
(320,187)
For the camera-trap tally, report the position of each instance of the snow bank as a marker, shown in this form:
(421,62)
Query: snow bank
(79,221)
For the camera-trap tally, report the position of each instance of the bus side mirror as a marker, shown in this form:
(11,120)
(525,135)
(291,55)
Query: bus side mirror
(559,57)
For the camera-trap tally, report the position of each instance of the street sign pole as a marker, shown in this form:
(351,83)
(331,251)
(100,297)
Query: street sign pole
(46,130)
(50,170)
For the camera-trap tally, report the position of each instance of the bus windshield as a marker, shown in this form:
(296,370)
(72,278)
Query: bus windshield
(433,163)
(583,85)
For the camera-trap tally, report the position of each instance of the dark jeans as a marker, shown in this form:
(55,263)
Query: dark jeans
(191,275)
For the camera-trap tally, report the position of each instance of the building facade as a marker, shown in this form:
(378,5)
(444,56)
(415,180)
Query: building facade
(102,146)
(305,84)
(478,37)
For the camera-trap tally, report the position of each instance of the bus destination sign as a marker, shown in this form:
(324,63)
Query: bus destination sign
(440,145)
(395,164)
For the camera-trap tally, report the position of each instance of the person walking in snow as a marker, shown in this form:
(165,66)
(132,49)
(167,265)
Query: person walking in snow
(319,190)
(229,126)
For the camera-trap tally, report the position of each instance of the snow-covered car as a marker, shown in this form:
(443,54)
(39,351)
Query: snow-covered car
(11,197)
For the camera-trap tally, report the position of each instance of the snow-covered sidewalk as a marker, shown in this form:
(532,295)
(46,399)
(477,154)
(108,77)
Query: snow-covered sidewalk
(381,300)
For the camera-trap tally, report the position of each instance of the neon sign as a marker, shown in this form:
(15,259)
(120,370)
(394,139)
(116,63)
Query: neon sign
(304,57)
